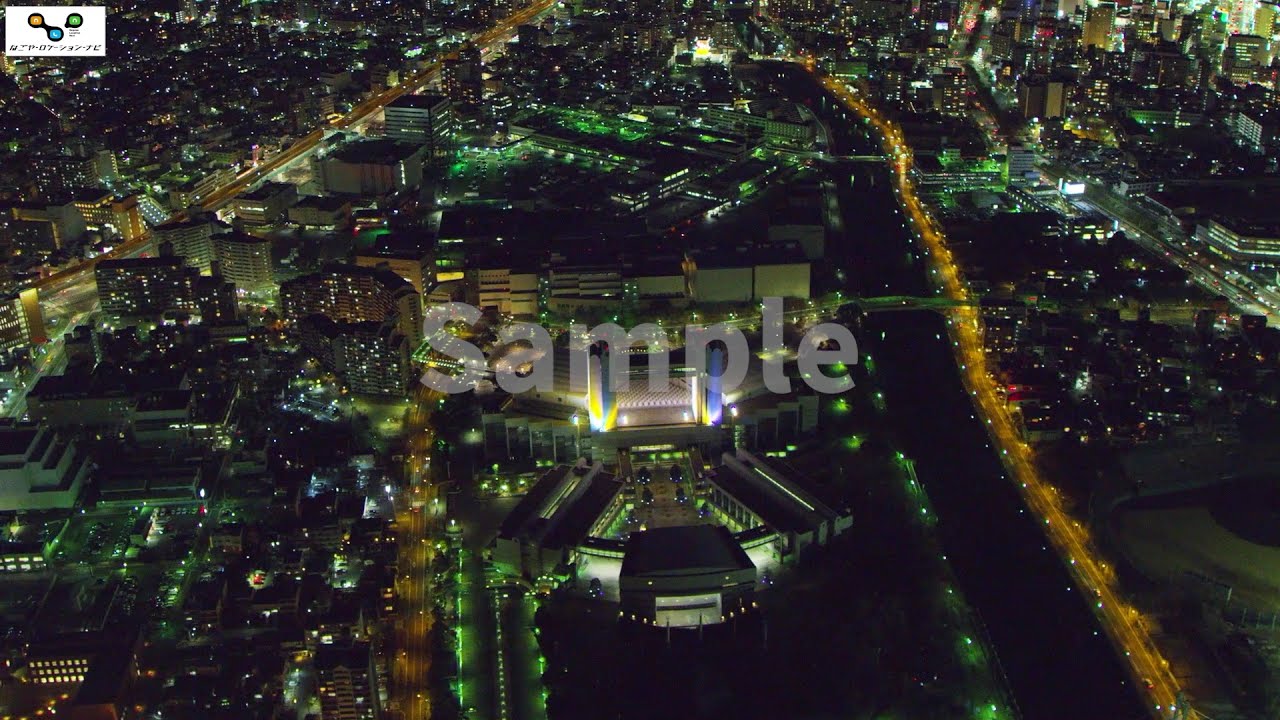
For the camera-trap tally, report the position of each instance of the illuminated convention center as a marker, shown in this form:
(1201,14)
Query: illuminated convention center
(676,503)
(585,417)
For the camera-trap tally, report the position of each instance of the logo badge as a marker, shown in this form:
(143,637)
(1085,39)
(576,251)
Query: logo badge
(45,31)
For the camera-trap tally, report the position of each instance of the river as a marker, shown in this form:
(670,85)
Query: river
(1057,659)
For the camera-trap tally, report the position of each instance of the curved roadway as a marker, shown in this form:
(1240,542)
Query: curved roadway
(1125,626)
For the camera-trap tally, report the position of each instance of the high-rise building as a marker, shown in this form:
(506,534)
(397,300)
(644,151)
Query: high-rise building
(408,256)
(105,212)
(106,164)
(1042,97)
(371,357)
(39,228)
(1241,16)
(951,92)
(1144,26)
(1243,57)
(939,17)
(189,11)
(373,167)
(423,120)
(145,287)
(1264,20)
(382,77)
(57,173)
(1021,163)
(894,83)
(311,105)
(192,241)
(245,260)
(346,688)
(1254,128)
(500,108)
(1002,39)
(265,205)
(321,212)
(1241,240)
(348,293)
(215,299)
(504,288)
(1099,26)
(1160,65)
(793,9)
(463,76)
(1191,32)
(1093,97)
(21,322)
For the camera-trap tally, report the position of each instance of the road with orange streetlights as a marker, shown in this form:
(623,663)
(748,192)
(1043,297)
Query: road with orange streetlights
(417,516)
(417,457)
(1124,625)
(305,145)
(412,663)
(418,524)
(366,110)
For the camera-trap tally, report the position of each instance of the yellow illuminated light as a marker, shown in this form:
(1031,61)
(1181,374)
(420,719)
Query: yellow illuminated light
(600,421)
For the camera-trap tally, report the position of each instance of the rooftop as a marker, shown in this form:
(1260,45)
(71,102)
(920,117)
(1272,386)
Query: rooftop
(683,549)
(374,152)
(322,202)
(528,507)
(267,191)
(573,523)
(771,493)
(561,507)
(425,102)
(140,262)
(14,441)
(168,399)
(401,246)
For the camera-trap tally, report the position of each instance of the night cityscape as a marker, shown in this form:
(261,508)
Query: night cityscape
(324,393)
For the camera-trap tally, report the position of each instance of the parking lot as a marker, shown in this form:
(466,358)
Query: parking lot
(96,537)
(522,173)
